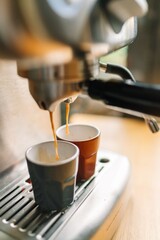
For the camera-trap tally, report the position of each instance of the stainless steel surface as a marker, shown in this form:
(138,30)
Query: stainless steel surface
(34,27)
(152,124)
(50,85)
(96,201)
(126,9)
(49,35)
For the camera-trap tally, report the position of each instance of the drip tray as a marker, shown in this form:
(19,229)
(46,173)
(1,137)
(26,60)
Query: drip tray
(96,212)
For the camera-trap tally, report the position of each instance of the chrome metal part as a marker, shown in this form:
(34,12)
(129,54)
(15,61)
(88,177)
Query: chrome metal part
(152,124)
(53,40)
(98,201)
(50,85)
(46,37)
(126,9)
(39,29)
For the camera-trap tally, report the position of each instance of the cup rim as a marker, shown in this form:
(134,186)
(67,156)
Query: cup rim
(78,124)
(55,163)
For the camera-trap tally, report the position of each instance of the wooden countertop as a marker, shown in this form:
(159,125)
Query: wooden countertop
(132,138)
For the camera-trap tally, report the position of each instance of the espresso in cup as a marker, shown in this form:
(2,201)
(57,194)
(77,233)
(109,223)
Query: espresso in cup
(53,180)
(86,138)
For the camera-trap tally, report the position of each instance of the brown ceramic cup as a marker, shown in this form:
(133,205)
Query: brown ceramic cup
(53,180)
(86,138)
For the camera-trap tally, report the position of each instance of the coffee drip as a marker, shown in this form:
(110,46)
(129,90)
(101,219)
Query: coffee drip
(54,136)
(53,129)
(67,117)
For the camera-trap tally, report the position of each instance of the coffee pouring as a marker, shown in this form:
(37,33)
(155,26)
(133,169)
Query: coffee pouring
(56,47)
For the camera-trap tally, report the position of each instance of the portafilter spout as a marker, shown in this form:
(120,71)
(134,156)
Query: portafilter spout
(51,84)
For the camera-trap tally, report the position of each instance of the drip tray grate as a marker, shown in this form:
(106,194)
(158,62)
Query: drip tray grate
(21,218)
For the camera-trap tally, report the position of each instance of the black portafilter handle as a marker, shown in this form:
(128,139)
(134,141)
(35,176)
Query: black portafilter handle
(136,96)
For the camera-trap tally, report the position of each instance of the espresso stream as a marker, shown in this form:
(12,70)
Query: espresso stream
(53,129)
(67,117)
(54,136)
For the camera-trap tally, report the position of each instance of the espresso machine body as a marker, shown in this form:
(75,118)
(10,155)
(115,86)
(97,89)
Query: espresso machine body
(50,51)
(57,45)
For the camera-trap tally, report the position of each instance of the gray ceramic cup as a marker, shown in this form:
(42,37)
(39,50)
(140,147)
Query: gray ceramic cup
(53,180)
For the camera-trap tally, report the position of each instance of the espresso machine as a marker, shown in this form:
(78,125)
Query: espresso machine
(50,53)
